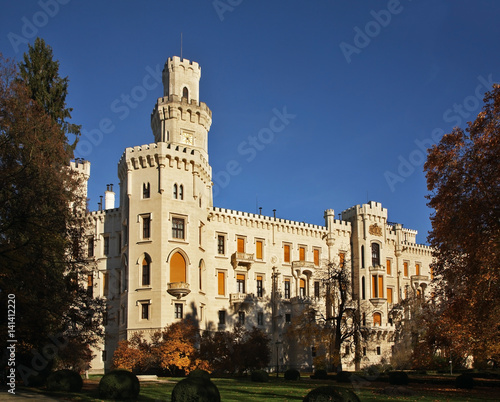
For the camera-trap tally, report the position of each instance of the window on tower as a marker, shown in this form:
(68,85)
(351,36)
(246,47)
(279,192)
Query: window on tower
(185,93)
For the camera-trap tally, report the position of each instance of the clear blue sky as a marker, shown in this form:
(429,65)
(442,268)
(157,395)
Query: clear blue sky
(366,82)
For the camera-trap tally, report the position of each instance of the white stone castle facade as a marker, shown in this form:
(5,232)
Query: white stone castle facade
(166,253)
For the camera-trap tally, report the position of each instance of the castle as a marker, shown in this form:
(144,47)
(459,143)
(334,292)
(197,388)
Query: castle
(167,253)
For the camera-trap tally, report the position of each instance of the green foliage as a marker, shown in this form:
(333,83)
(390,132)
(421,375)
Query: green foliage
(292,375)
(197,387)
(119,384)
(331,393)
(343,377)
(398,378)
(65,381)
(260,376)
(464,381)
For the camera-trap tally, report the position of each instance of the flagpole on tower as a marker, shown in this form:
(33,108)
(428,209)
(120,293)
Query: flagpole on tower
(181,45)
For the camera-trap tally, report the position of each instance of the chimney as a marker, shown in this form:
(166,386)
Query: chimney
(109,197)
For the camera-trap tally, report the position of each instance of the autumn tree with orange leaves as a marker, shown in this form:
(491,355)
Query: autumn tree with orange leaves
(463,177)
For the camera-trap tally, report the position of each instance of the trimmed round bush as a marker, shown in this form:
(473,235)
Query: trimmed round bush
(331,393)
(119,384)
(198,387)
(320,374)
(464,381)
(292,375)
(343,376)
(260,376)
(398,378)
(65,381)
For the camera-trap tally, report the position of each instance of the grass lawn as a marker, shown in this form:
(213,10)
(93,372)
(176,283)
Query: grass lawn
(244,390)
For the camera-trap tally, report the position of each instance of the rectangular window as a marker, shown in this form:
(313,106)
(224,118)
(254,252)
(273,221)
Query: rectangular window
(221,285)
(145,190)
(389,268)
(241,317)
(302,253)
(178,228)
(106,245)
(221,246)
(378,350)
(347,350)
(260,288)
(341,260)
(364,351)
(316,289)
(105,284)
(287,288)
(104,355)
(286,257)
(258,249)
(146,273)
(240,283)
(90,285)
(405,269)
(389,295)
(90,246)
(241,245)
(260,318)
(417,269)
(288,318)
(302,288)
(222,317)
(146,227)
(145,311)
(380,286)
(316,257)
(179,310)
(374,286)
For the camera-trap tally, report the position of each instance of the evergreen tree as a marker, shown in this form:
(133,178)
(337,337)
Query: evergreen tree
(40,73)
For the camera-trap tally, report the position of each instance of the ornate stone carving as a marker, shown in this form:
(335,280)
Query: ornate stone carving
(375,230)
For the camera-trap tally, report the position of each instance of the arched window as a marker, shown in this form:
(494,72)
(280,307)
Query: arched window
(363,294)
(146,271)
(377,319)
(177,268)
(200,274)
(175,191)
(145,190)
(185,93)
(181,192)
(362,256)
(375,254)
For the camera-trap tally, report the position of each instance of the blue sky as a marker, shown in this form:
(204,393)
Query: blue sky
(364,88)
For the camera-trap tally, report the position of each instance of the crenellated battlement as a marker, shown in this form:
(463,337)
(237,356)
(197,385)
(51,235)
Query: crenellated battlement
(372,208)
(81,166)
(176,61)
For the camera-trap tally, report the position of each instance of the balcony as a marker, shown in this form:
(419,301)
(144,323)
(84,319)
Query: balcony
(242,259)
(301,300)
(236,298)
(178,289)
(419,278)
(377,268)
(378,301)
(303,265)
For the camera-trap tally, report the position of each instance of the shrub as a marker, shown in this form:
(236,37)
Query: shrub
(119,384)
(464,381)
(398,378)
(197,386)
(320,375)
(331,393)
(292,375)
(65,381)
(343,376)
(260,376)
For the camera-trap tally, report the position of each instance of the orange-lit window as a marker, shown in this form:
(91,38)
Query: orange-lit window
(417,269)
(389,295)
(380,286)
(302,253)
(341,260)
(377,319)
(177,268)
(432,272)
(316,257)
(90,280)
(302,288)
(221,284)
(240,282)
(389,269)
(405,269)
(260,286)
(105,284)
(258,249)
(287,253)
(241,245)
